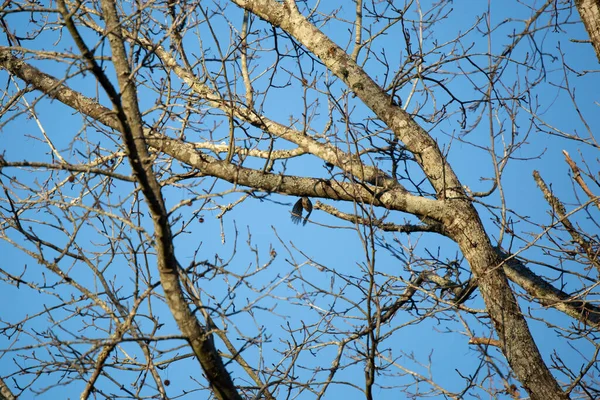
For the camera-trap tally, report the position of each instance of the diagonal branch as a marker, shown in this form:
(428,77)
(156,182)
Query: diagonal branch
(395,199)
(129,122)
(548,295)
(461,221)
(557,206)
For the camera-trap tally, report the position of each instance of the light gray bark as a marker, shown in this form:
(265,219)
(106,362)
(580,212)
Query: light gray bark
(589,10)
(460,218)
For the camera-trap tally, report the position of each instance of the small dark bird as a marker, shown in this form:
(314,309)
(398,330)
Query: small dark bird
(303,203)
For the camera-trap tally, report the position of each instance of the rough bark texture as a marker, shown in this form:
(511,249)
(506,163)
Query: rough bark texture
(589,10)
(511,327)
(461,219)
(5,393)
(548,295)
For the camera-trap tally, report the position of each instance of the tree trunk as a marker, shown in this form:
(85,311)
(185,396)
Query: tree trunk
(511,327)
(461,220)
(589,10)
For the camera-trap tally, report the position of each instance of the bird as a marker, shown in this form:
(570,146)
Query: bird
(302,203)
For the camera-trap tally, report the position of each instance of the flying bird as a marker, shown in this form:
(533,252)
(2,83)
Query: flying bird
(303,203)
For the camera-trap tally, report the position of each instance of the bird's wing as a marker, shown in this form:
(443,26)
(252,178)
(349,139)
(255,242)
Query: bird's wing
(297,212)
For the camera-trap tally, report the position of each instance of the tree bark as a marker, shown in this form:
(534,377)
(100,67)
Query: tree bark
(514,335)
(589,10)
(461,219)
(128,121)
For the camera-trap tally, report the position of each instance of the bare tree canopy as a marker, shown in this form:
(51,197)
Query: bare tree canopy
(261,199)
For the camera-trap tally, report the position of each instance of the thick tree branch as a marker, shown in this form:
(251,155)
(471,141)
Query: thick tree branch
(461,220)
(548,295)
(396,199)
(130,125)
(589,10)
(5,393)
(414,137)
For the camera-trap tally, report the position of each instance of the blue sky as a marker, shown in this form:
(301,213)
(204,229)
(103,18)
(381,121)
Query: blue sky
(316,254)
